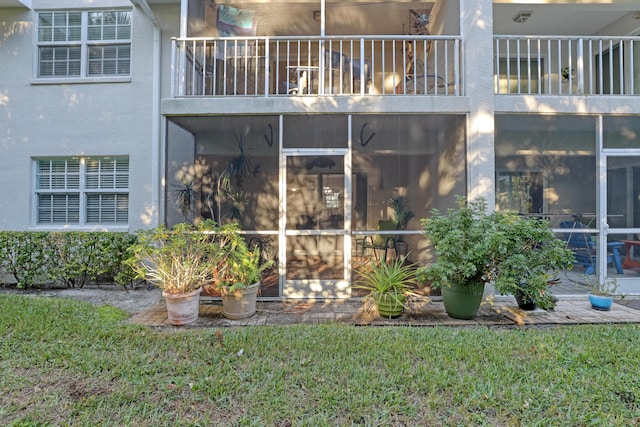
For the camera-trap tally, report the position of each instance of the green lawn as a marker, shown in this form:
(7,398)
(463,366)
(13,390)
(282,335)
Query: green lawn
(64,362)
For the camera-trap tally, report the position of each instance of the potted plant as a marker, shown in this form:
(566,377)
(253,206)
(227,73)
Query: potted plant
(602,293)
(387,285)
(186,199)
(530,258)
(179,261)
(474,247)
(566,72)
(401,212)
(401,216)
(238,278)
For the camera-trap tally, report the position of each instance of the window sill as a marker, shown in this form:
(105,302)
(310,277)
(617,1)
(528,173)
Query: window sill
(67,227)
(80,80)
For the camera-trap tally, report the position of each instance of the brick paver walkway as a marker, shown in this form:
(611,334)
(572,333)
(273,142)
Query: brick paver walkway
(501,312)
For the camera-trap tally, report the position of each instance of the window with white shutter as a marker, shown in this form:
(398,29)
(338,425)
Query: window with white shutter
(79,191)
(84,43)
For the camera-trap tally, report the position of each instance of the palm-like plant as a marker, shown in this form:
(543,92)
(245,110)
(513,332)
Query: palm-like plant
(230,181)
(186,199)
(239,167)
(401,212)
(387,285)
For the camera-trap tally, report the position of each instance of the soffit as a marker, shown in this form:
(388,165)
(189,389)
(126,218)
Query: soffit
(15,3)
(562,19)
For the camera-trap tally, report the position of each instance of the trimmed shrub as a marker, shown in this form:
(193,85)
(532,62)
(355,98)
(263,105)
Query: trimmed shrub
(71,258)
(25,256)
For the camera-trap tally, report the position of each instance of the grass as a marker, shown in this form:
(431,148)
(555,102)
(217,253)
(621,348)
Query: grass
(65,362)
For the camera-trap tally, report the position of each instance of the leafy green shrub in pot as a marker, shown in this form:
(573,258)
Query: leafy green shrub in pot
(238,278)
(530,256)
(242,267)
(475,247)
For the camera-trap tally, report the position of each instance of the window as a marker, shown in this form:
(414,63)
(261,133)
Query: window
(520,192)
(522,76)
(84,44)
(546,164)
(82,191)
(616,70)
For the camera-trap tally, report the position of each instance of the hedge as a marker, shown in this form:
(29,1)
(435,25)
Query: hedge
(72,258)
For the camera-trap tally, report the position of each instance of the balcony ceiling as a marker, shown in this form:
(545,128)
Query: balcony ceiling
(15,3)
(568,19)
(576,17)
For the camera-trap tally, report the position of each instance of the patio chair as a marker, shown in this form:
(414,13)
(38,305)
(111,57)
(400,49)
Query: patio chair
(288,88)
(584,248)
(381,242)
(337,65)
(359,75)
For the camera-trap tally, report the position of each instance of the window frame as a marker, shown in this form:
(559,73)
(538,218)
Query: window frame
(86,44)
(84,191)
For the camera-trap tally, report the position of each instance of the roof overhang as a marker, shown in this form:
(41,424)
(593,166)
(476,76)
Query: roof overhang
(15,3)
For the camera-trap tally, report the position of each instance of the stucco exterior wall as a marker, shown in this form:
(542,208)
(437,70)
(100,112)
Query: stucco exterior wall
(15,27)
(76,119)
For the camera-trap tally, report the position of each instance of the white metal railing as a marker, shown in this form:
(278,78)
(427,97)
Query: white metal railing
(567,65)
(315,66)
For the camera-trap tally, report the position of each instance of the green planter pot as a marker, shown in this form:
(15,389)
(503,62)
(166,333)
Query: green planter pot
(389,307)
(462,301)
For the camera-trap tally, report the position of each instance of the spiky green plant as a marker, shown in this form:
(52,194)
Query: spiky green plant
(392,280)
(186,199)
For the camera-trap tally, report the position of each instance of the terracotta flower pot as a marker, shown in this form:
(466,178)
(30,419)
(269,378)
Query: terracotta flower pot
(182,309)
(240,303)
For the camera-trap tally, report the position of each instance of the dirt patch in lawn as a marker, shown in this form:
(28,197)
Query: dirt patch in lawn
(131,299)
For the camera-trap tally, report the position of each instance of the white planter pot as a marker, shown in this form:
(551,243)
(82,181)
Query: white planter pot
(240,303)
(182,309)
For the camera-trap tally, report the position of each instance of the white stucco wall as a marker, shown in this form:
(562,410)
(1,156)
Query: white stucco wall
(15,69)
(91,119)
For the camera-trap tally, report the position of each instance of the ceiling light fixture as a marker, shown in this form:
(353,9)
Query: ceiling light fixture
(522,16)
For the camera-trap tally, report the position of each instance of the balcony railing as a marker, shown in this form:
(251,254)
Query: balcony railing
(567,65)
(317,66)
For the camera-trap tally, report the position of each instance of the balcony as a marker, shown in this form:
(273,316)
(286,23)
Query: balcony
(533,65)
(317,66)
